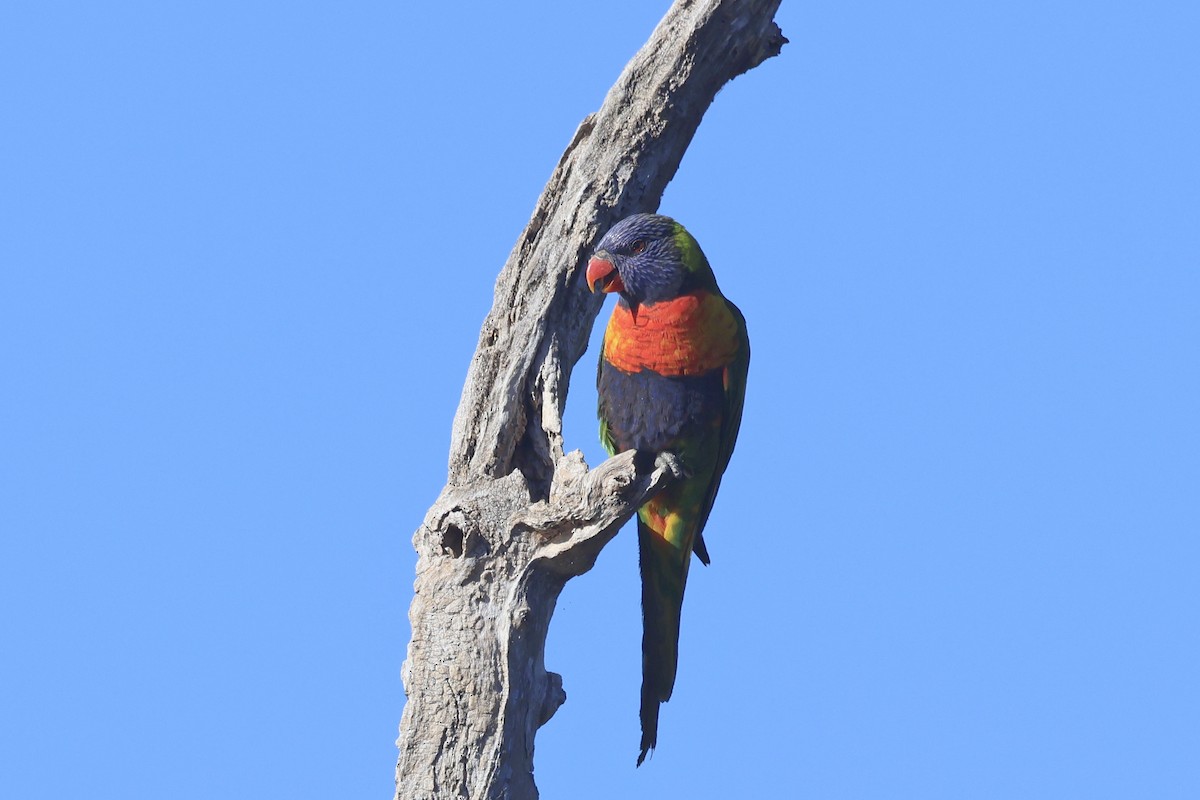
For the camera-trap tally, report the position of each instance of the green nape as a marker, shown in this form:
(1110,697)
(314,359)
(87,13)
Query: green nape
(693,257)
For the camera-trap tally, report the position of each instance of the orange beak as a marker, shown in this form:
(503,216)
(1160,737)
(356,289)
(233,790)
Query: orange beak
(602,276)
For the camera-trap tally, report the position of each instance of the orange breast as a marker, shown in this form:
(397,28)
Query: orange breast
(690,335)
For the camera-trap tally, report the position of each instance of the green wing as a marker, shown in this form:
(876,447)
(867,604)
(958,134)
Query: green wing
(735,396)
(605,435)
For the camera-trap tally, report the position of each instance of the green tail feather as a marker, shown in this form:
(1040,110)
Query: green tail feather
(649,715)
(664,574)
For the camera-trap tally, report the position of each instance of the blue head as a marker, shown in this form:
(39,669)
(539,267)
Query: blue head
(648,258)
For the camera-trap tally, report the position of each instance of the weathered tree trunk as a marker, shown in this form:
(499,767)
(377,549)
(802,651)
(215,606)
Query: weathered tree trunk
(518,518)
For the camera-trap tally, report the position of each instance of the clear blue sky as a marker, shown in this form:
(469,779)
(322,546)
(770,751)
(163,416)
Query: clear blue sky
(245,249)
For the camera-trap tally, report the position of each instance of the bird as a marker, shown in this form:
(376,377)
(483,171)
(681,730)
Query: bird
(671,379)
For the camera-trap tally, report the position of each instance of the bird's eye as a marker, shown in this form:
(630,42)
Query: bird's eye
(638,246)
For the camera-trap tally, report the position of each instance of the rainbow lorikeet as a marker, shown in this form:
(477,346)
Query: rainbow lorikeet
(672,378)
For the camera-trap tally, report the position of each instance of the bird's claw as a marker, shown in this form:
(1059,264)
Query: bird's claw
(673,464)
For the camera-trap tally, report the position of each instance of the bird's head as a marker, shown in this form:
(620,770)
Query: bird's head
(648,258)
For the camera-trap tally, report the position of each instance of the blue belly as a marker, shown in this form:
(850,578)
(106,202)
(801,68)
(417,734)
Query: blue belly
(650,412)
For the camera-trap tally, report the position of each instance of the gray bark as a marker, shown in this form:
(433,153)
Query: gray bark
(518,517)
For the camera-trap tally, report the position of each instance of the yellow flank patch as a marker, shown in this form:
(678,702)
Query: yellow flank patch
(666,522)
(690,335)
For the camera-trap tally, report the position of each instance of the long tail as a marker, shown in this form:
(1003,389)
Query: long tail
(664,574)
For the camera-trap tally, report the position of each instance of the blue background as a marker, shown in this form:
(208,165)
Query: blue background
(245,249)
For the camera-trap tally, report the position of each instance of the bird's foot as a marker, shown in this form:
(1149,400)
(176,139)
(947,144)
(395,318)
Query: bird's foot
(673,464)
